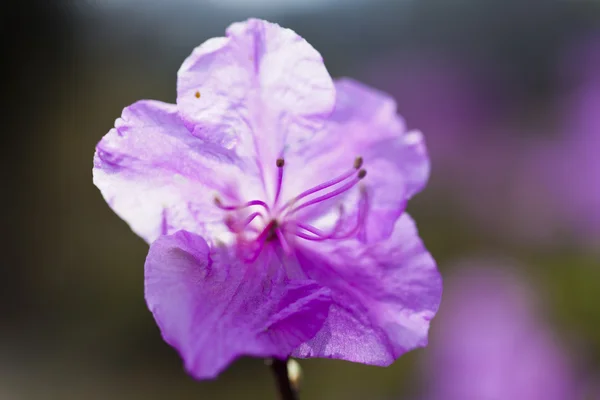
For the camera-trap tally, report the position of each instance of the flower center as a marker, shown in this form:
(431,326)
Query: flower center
(266,223)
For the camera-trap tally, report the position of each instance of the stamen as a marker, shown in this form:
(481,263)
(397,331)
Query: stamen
(251,218)
(279,163)
(320,235)
(312,229)
(284,244)
(361,174)
(360,220)
(308,237)
(251,203)
(231,223)
(357,164)
(273,230)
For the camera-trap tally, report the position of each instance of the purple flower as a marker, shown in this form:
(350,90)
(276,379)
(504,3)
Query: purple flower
(559,188)
(268,237)
(490,344)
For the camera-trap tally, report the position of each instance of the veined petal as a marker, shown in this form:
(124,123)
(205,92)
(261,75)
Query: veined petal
(365,123)
(384,295)
(255,90)
(214,308)
(160,178)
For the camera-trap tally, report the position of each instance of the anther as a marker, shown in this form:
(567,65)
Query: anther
(217,201)
(362,173)
(230,223)
(279,163)
(358,162)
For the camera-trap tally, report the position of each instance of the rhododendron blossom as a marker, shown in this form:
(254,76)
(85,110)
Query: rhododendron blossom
(491,342)
(273,199)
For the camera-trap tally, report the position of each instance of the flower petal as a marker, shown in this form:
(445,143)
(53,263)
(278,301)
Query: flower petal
(214,308)
(159,178)
(364,123)
(384,295)
(257,89)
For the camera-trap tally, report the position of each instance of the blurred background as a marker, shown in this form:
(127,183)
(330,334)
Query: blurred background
(508,96)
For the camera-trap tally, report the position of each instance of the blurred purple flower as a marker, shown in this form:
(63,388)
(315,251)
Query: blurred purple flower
(267,236)
(442,97)
(489,344)
(566,170)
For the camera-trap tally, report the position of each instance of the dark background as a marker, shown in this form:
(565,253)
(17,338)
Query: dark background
(492,84)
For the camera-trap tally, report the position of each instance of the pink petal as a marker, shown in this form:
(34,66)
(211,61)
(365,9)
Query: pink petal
(365,123)
(160,178)
(214,308)
(257,89)
(384,295)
